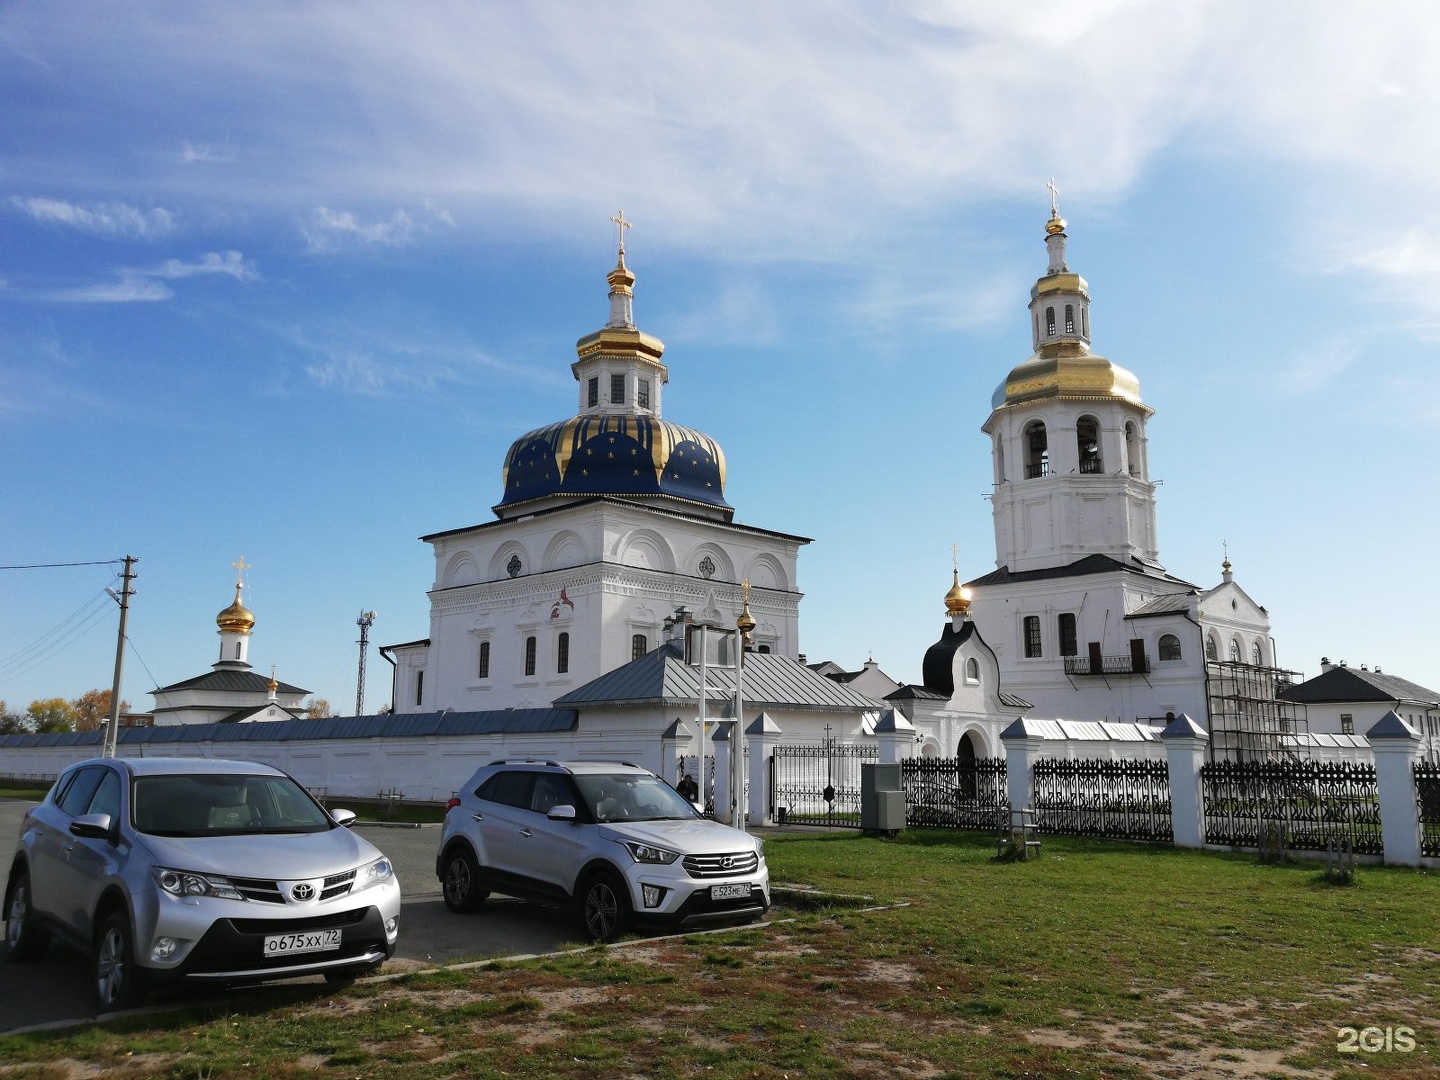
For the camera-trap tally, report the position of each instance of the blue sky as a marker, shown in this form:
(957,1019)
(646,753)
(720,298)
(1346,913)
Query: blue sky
(285,281)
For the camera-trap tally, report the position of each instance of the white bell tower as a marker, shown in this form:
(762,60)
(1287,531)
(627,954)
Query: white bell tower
(1067,431)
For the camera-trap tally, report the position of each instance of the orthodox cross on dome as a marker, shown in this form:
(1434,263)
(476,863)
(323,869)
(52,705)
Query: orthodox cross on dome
(955,557)
(240,566)
(620,226)
(1054,198)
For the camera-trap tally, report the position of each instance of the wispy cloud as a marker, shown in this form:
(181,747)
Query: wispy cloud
(205,154)
(138,285)
(327,230)
(110,219)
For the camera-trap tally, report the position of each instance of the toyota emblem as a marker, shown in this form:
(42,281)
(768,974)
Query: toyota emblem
(303,891)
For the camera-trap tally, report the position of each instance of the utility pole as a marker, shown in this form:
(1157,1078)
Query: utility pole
(364,622)
(112,726)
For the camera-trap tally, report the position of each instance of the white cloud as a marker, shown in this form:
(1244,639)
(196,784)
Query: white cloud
(101,219)
(231,263)
(205,154)
(138,285)
(327,230)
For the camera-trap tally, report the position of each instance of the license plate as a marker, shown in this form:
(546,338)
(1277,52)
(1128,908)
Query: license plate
(739,891)
(311,941)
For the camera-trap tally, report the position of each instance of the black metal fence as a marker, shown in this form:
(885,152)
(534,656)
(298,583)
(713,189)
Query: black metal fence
(951,793)
(1297,805)
(1427,794)
(1124,800)
(818,785)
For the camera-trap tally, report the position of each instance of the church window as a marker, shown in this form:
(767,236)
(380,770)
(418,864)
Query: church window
(1235,650)
(1169,647)
(1069,318)
(513,567)
(1347,723)
(1037,450)
(642,393)
(1032,636)
(1130,449)
(1068,646)
(562,653)
(419,688)
(972,672)
(1087,437)
(617,389)
(237,650)
(530,656)
(638,646)
(1256,656)
(483,670)
(593,392)
(1212,650)
(762,649)
(707,567)
(1049,322)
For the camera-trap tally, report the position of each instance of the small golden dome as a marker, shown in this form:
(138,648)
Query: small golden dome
(235,619)
(746,622)
(957,600)
(1056,224)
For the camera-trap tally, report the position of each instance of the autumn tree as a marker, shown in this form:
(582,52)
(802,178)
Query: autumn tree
(11,723)
(318,709)
(92,707)
(46,715)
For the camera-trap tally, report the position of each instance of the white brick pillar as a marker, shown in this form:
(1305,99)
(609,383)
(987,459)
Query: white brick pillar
(675,744)
(761,738)
(896,737)
(1185,743)
(1023,740)
(1396,745)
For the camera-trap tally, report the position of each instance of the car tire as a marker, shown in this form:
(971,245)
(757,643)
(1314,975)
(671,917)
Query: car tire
(605,910)
(24,939)
(461,883)
(119,983)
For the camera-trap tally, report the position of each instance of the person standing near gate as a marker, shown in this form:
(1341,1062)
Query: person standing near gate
(688,789)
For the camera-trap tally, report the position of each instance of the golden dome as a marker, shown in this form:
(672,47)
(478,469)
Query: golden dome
(957,600)
(746,622)
(235,619)
(1056,224)
(1069,370)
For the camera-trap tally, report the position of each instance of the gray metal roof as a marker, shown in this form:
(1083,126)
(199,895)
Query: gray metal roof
(441,724)
(662,677)
(1168,604)
(231,681)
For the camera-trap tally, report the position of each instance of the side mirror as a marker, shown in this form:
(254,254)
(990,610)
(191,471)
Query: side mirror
(342,817)
(93,826)
(563,812)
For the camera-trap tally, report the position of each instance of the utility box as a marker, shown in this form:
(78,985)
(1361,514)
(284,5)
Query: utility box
(882,798)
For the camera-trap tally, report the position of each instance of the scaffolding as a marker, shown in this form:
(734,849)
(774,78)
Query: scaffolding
(1248,719)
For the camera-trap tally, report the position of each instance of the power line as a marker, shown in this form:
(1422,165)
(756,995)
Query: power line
(61,565)
(76,625)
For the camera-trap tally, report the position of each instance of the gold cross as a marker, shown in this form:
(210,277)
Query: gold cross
(620,226)
(955,555)
(1054,198)
(240,567)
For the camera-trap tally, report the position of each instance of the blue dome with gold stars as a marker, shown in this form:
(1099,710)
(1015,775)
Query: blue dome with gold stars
(617,454)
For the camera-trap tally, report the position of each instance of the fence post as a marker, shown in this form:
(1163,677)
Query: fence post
(1396,745)
(674,743)
(1023,741)
(762,736)
(1185,741)
(722,743)
(896,736)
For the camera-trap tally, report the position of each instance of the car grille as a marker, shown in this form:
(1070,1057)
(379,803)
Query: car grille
(266,892)
(296,926)
(727,864)
(337,885)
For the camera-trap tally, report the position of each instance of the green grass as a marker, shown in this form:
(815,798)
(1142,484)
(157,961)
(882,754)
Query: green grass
(1096,960)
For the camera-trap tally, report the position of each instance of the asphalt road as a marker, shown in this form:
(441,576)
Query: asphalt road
(57,987)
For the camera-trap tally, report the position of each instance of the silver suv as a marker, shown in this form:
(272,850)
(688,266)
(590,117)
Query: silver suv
(221,871)
(610,841)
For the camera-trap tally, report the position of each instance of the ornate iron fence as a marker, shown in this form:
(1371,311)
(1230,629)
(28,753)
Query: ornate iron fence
(818,785)
(1300,805)
(1126,800)
(952,793)
(1427,794)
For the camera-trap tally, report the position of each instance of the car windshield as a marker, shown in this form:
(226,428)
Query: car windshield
(224,805)
(632,797)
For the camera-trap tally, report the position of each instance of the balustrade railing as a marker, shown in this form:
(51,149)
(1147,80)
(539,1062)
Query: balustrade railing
(1298,805)
(1126,800)
(951,793)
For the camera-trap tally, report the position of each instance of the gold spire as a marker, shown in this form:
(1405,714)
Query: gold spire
(746,622)
(273,684)
(957,600)
(236,619)
(1056,224)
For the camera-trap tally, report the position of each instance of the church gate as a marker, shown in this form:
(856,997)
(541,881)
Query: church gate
(818,785)
(955,793)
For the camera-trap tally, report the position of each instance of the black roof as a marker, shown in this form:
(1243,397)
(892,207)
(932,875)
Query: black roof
(232,680)
(1349,684)
(1091,564)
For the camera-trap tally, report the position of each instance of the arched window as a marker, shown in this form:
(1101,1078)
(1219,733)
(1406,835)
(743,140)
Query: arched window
(972,671)
(237,650)
(1037,450)
(562,653)
(1049,322)
(999,460)
(1235,650)
(1131,449)
(1087,438)
(1256,656)
(419,688)
(529,656)
(1212,650)
(1066,625)
(1069,318)
(1169,647)
(638,646)
(1032,636)
(483,669)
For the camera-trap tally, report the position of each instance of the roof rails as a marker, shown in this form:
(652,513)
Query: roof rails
(527,761)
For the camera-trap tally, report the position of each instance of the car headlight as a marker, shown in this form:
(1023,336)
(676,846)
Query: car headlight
(375,873)
(649,853)
(190,883)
